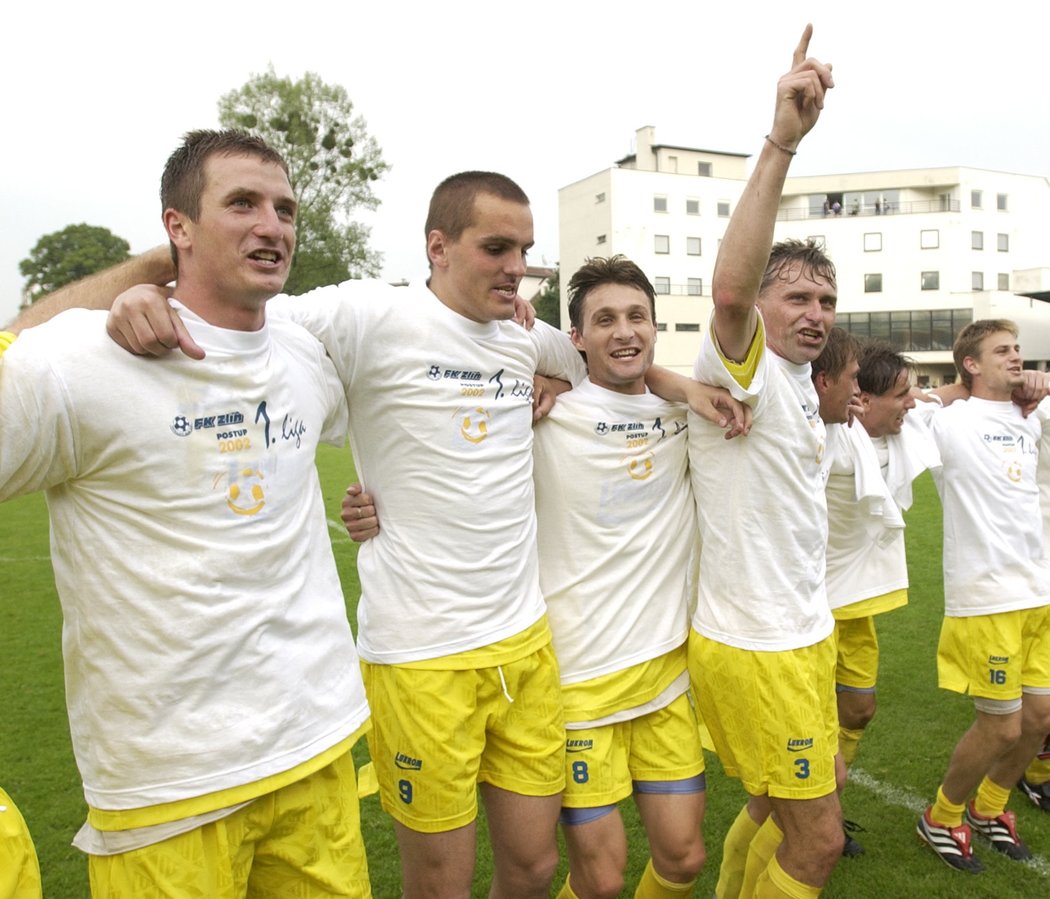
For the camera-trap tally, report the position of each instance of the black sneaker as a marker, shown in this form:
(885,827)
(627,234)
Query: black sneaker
(1038,793)
(851,848)
(952,844)
(1001,832)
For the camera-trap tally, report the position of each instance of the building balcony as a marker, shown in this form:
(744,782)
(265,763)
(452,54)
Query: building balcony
(854,210)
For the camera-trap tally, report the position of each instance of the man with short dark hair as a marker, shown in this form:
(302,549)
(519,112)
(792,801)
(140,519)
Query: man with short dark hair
(213,688)
(869,486)
(617,533)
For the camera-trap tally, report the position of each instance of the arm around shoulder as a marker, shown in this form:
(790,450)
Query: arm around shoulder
(99,290)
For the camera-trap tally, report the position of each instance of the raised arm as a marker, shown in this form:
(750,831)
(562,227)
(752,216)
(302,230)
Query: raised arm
(99,290)
(744,250)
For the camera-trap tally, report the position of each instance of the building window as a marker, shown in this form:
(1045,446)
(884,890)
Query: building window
(1003,243)
(692,246)
(661,326)
(703,169)
(601,238)
(723,209)
(694,286)
(687,326)
(1000,202)
(975,199)
(872,242)
(1004,280)
(976,240)
(599,198)
(692,207)
(976,280)
(659,204)
(929,240)
(672,164)
(909,330)
(931,280)
(662,285)
(663,244)
(873,283)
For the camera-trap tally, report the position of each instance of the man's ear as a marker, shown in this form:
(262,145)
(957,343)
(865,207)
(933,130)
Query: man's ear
(820,382)
(576,338)
(971,365)
(437,248)
(177,225)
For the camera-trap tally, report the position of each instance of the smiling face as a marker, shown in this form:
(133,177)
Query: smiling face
(477,274)
(237,254)
(798,309)
(618,335)
(884,413)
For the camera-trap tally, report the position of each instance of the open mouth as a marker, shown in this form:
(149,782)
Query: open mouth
(625,353)
(269,257)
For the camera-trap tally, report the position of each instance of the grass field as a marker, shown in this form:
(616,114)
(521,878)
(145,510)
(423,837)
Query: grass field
(901,760)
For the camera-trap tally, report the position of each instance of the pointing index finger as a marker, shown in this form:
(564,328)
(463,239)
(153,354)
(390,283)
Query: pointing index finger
(802,50)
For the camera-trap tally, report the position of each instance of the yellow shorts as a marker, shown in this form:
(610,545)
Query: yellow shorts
(772,715)
(437,734)
(302,840)
(19,870)
(857,662)
(994,656)
(602,763)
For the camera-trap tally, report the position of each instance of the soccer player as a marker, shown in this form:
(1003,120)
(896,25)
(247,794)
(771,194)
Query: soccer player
(617,531)
(995,639)
(19,869)
(834,376)
(212,683)
(869,486)
(761,647)
(1035,782)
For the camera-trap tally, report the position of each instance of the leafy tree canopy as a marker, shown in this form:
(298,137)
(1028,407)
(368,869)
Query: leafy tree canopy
(548,302)
(332,161)
(68,255)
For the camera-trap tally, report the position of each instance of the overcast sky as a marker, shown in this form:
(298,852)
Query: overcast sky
(547,92)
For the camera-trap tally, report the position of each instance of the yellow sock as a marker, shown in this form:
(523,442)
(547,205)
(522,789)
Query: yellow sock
(653,886)
(945,811)
(763,848)
(734,855)
(776,883)
(990,801)
(1039,771)
(566,891)
(849,743)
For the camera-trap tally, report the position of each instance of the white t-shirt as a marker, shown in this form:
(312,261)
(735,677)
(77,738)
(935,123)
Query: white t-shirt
(993,534)
(205,636)
(865,528)
(761,508)
(441,431)
(616,528)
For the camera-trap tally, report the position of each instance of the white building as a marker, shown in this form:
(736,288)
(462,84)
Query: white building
(919,253)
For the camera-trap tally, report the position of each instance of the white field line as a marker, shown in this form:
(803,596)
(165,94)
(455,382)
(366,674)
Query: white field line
(915,804)
(7,560)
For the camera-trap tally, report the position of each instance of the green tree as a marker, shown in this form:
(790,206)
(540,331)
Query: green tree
(333,162)
(548,302)
(65,256)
